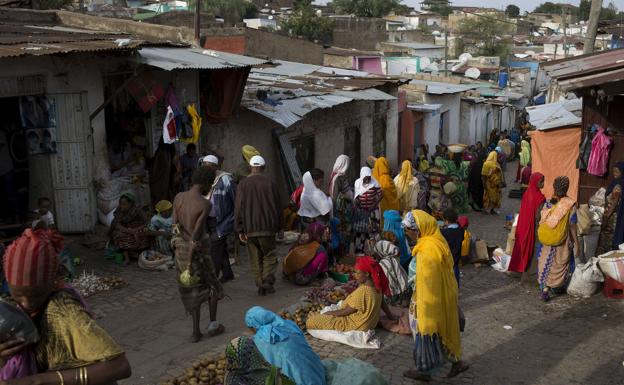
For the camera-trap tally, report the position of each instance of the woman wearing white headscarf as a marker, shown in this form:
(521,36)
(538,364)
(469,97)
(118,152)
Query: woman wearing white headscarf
(366,215)
(314,202)
(341,192)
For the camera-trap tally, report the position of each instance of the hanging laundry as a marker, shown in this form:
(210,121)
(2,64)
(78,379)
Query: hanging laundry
(169,127)
(183,125)
(585,151)
(196,122)
(145,91)
(599,157)
(171,99)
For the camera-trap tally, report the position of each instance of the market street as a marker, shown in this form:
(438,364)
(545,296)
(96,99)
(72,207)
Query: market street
(565,341)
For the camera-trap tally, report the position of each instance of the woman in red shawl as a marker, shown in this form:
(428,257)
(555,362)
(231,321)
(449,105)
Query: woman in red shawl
(524,247)
(362,308)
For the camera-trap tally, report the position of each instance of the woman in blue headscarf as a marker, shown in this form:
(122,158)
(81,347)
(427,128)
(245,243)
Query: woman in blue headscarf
(392,223)
(283,345)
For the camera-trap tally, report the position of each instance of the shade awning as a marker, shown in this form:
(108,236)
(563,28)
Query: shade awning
(194,58)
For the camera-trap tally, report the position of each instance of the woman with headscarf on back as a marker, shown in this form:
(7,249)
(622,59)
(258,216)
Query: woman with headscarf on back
(341,193)
(392,223)
(362,308)
(309,258)
(283,345)
(434,311)
(526,229)
(315,204)
(407,187)
(493,181)
(72,348)
(165,174)
(387,254)
(365,209)
(612,229)
(557,234)
(389,200)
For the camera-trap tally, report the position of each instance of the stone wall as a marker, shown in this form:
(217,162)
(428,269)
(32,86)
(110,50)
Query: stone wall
(359,32)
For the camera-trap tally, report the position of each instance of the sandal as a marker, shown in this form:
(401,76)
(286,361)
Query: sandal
(458,369)
(416,375)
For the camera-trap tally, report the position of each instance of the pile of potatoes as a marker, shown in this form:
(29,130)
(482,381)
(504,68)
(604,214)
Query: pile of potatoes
(207,371)
(301,314)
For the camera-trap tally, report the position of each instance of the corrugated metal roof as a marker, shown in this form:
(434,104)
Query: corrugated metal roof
(192,58)
(38,49)
(424,107)
(439,88)
(584,65)
(290,111)
(555,115)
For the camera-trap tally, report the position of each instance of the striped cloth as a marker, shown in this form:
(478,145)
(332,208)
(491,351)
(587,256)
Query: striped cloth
(33,259)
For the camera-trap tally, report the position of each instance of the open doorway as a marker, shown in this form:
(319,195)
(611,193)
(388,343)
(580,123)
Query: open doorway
(352,139)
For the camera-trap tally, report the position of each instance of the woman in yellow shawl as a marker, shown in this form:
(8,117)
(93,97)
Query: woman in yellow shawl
(493,182)
(389,200)
(407,187)
(434,314)
(525,158)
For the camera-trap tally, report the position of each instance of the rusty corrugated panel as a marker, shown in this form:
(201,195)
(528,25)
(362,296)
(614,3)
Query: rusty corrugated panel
(585,64)
(40,49)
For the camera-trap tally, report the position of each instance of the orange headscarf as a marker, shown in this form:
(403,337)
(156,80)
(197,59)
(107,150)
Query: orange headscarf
(369,265)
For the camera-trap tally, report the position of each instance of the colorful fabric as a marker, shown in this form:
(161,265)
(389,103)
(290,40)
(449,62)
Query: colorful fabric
(283,344)
(524,246)
(366,300)
(435,295)
(397,277)
(127,229)
(381,173)
(554,261)
(32,259)
(314,202)
(340,168)
(70,338)
(249,152)
(494,180)
(196,122)
(599,157)
(525,153)
(246,366)
(392,223)
(407,187)
(169,127)
(610,236)
(369,265)
(360,186)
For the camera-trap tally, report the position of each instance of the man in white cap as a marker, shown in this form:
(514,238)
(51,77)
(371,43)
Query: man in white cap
(220,221)
(258,218)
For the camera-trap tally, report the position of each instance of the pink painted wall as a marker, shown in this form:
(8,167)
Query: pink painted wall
(368,64)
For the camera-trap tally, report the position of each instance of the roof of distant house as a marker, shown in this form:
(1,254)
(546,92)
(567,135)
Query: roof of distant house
(414,45)
(350,52)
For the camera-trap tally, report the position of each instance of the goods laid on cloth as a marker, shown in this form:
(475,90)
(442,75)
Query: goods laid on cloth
(586,279)
(209,370)
(329,292)
(354,338)
(298,313)
(90,284)
(612,265)
(155,261)
(501,260)
(352,371)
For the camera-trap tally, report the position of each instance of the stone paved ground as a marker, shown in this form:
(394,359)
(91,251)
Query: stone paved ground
(566,341)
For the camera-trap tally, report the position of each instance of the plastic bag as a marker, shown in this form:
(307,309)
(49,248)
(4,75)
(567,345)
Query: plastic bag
(352,371)
(598,199)
(612,265)
(501,260)
(14,323)
(585,280)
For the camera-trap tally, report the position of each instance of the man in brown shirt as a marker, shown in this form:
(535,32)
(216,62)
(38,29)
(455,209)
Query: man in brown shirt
(197,281)
(258,218)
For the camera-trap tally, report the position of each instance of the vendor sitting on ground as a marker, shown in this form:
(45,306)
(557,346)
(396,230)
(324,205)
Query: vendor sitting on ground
(283,344)
(308,260)
(362,308)
(127,231)
(160,228)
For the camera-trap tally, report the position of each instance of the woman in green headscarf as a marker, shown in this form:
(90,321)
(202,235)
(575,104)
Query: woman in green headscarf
(525,158)
(247,366)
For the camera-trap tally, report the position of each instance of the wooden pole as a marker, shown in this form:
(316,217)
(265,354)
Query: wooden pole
(592,27)
(197,23)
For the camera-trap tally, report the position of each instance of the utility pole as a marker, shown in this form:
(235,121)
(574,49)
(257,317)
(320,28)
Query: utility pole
(592,27)
(565,34)
(445,52)
(197,23)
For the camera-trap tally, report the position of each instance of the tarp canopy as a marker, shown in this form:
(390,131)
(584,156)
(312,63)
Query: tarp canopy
(554,153)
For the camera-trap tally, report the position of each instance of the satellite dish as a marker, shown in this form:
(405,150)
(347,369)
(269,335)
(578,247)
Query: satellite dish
(465,56)
(473,73)
(319,12)
(424,62)
(433,67)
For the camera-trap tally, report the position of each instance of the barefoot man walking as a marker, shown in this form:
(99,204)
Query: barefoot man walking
(196,278)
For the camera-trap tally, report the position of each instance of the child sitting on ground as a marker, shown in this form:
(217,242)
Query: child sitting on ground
(45,218)
(454,236)
(160,228)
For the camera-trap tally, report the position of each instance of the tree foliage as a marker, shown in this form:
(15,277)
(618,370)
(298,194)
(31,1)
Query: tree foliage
(441,9)
(548,7)
(610,12)
(305,22)
(484,37)
(512,11)
(366,8)
(232,11)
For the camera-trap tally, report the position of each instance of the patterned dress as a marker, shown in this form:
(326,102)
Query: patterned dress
(607,232)
(365,299)
(554,261)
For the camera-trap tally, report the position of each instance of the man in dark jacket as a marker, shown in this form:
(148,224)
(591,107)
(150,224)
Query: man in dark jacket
(221,218)
(454,236)
(257,220)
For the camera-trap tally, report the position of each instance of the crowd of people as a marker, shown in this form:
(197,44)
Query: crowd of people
(406,231)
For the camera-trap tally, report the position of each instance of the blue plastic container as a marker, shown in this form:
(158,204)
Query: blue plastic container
(502,79)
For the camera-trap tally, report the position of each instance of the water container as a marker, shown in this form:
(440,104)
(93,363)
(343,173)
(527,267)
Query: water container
(502,79)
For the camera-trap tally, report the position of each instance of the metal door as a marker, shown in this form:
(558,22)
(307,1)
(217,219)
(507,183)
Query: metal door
(72,165)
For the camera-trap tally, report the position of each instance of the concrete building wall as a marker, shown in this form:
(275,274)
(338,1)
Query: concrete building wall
(450,112)
(338,61)
(476,122)
(272,45)
(359,32)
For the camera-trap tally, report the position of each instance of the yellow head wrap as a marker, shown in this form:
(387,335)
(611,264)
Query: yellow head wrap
(163,206)
(249,152)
